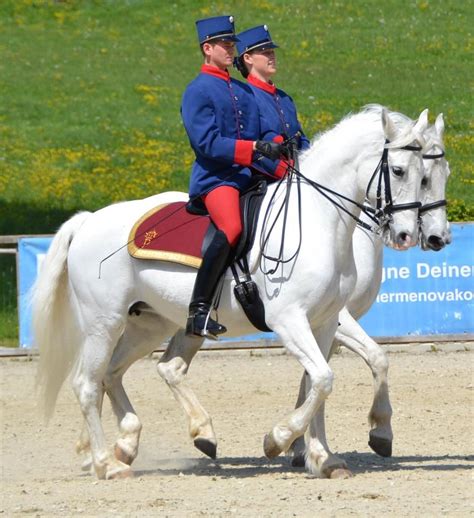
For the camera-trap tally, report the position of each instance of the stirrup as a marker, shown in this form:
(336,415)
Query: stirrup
(201,324)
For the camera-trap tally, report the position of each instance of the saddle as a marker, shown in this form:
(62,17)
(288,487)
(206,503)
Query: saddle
(180,232)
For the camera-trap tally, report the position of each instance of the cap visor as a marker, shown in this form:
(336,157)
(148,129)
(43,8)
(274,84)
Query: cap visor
(261,47)
(222,38)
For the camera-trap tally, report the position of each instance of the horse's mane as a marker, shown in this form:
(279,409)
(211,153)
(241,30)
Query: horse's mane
(370,120)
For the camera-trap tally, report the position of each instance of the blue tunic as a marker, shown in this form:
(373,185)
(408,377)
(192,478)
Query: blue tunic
(221,118)
(278,115)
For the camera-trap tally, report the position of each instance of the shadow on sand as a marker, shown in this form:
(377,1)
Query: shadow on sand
(247,467)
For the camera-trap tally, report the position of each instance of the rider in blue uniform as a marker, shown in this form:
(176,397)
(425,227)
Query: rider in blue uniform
(221,118)
(257,63)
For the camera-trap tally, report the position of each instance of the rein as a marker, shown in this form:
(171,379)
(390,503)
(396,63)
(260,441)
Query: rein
(264,237)
(379,215)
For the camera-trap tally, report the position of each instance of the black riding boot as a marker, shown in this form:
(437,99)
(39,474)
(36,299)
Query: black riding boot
(213,266)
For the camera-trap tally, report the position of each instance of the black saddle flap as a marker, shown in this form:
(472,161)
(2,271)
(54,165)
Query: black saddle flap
(250,203)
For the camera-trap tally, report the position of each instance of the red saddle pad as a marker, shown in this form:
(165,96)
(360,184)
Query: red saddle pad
(169,233)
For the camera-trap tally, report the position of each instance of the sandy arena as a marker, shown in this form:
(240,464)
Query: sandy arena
(430,473)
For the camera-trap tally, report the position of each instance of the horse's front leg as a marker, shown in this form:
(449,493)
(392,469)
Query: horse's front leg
(173,367)
(315,452)
(351,335)
(295,333)
(298,448)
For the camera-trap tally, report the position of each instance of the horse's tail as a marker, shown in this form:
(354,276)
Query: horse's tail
(54,327)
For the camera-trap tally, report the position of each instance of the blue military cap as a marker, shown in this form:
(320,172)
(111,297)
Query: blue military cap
(216,28)
(255,38)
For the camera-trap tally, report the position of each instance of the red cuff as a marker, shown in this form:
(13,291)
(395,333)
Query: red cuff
(282,168)
(278,139)
(243,152)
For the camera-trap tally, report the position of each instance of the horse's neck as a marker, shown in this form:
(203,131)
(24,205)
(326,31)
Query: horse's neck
(344,171)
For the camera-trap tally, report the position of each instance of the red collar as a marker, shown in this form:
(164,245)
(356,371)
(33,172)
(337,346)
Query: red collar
(267,87)
(216,72)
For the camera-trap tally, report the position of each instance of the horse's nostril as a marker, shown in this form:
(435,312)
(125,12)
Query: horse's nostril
(403,237)
(435,242)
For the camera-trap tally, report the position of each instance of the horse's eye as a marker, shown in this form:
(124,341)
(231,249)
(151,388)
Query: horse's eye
(398,171)
(424,182)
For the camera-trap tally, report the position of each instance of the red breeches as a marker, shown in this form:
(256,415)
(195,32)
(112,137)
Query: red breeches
(223,205)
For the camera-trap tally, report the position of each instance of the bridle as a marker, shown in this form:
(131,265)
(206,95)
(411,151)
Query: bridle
(384,213)
(435,204)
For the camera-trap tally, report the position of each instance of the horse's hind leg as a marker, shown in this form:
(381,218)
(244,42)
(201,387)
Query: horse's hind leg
(143,334)
(172,367)
(87,383)
(83,444)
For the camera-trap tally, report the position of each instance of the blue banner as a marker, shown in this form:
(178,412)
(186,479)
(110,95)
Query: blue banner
(426,293)
(31,252)
(422,293)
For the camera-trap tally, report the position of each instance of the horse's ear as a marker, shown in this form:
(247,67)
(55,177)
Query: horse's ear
(439,124)
(389,128)
(422,122)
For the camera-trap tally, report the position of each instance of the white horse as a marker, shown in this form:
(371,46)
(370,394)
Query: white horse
(368,255)
(82,323)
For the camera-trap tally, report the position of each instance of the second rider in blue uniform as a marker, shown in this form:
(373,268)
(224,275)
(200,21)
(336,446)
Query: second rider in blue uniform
(257,63)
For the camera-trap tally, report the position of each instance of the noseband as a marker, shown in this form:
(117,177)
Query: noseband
(435,204)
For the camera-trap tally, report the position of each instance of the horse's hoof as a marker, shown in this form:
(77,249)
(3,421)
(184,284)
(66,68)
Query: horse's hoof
(119,473)
(298,461)
(207,447)
(340,473)
(123,456)
(381,446)
(270,447)
(87,464)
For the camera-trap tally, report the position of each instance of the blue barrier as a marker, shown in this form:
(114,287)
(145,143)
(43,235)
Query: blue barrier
(426,293)
(31,252)
(422,293)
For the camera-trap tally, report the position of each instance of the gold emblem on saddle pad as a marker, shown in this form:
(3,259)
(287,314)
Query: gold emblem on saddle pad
(149,236)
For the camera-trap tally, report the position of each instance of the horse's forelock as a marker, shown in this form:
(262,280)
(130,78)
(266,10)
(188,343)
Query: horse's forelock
(406,137)
(433,138)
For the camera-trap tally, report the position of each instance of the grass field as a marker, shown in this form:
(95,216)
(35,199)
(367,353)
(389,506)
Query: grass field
(91,89)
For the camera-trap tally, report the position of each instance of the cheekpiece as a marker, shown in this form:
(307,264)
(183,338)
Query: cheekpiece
(216,28)
(255,38)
